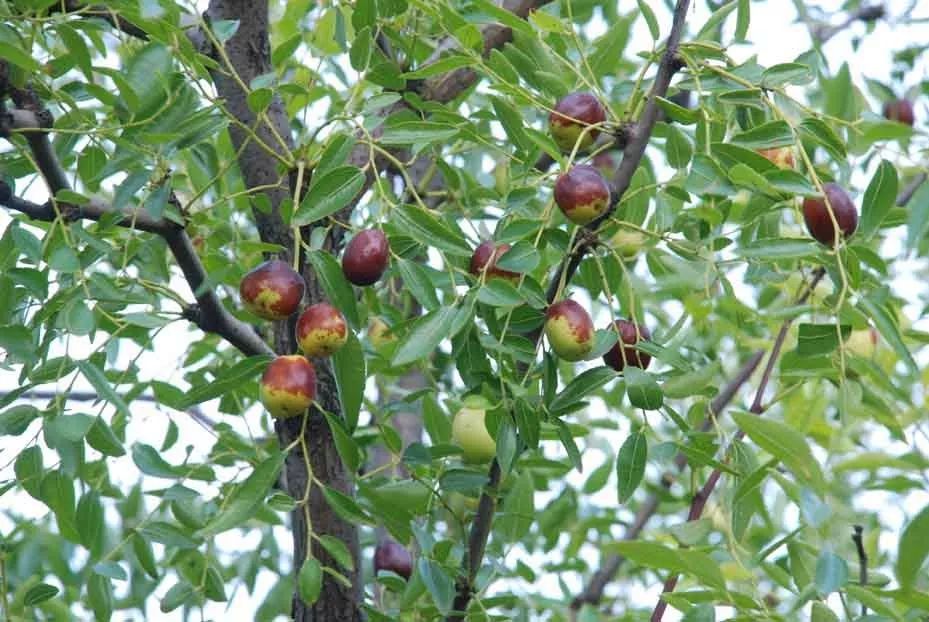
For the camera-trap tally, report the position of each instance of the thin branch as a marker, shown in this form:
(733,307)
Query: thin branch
(108,15)
(866,13)
(862,561)
(907,193)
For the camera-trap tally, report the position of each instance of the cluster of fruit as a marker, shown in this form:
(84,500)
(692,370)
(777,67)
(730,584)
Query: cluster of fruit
(274,291)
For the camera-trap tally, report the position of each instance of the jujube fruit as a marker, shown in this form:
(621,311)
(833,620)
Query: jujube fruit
(818,220)
(571,115)
(366,256)
(570,330)
(624,352)
(485,257)
(582,194)
(321,330)
(288,386)
(273,290)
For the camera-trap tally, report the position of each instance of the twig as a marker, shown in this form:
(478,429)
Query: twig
(907,193)
(862,561)
(867,13)
(633,152)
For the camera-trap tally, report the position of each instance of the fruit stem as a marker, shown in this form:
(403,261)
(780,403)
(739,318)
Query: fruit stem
(301,166)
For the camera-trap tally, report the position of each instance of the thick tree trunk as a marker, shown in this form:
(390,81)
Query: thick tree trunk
(248,52)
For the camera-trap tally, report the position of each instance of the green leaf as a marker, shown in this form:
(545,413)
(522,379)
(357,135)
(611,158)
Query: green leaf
(337,288)
(101,437)
(179,594)
(918,220)
(338,550)
(786,73)
(18,343)
(694,563)
(887,326)
(717,18)
(71,427)
(822,133)
(111,570)
(630,465)
(39,594)
(767,136)
(427,229)
(443,65)
(912,549)
(817,339)
(582,386)
(650,19)
(521,257)
(438,582)
(678,148)
(642,389)
(348,365)
(420,132)
(777,249)
(879,198)
(327,195)
(90,525)
(29,470)
(310,580)
(416,279)
(20,58)
(425,335)
(245,498)
(169,535)
(57,492)
(518,511)
(831,573)
(822,613)
(785,443)
(345,506)
(100,597)
(228,379)
(499,293)
(15,420)
(103,387)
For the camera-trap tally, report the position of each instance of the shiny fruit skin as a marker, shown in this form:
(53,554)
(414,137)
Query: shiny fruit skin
(781,157)
(366,256)
(470,433)
(379,333)
(571,115)
(582,194)
(321,330)
(394,557)
(288,386)
(900,110)
(624,352)
(863,342)
(817,218)
(570,330)
(273,290)
(485,257)
(628,243)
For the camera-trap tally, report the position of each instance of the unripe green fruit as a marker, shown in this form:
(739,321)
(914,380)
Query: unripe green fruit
(470,433)
(862,343)
(628,242)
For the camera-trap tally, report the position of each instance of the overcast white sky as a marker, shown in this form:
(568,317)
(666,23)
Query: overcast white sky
(775,39)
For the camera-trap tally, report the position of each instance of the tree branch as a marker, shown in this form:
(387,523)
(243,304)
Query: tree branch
(867,13)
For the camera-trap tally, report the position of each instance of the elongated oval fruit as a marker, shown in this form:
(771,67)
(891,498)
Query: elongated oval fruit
(470,433)
(781,157)
(365,258)
(570,330)
(321,330)
(900,110)
(288,386)
(862,342)
(485,257)
(379,332)
(582,194)
(273,290)
(571,115)
(394,557)
(628,243)
(624,352)
(818,221)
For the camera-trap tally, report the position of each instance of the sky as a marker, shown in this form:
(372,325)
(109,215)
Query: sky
(774,38)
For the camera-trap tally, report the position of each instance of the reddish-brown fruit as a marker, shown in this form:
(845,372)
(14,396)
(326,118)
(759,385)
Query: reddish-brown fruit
(781,157)
(624,351)
(571,116)
(273,290)
(392,556)
(818,220)
(900,110)
(485,257)
(582,194)
(366,256)
(321,330)
(570,330)
(288,386)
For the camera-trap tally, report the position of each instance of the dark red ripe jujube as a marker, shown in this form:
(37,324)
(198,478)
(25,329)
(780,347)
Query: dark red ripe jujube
(900,110)
(366,256)
(571,116)
(582,194)
(624,351)
(485,258)
(392,556)
(273,290)
(818,220)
